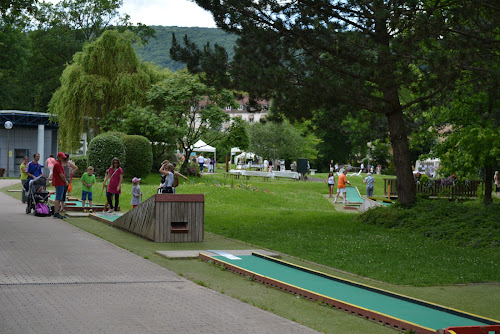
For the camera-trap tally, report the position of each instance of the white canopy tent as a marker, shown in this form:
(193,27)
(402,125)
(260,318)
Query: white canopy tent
(244,156)
(201,146)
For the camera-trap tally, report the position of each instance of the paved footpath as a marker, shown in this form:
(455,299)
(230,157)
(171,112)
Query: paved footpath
(56,278)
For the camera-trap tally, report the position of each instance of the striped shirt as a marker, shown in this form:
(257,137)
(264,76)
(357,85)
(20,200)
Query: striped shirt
(369,181)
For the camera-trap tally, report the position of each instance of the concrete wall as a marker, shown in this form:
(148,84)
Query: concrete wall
(25,140)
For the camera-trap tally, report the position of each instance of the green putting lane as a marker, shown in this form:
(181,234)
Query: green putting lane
(77,204)
(353,195)
(392,306)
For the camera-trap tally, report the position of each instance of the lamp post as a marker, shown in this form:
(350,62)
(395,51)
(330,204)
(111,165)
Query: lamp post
(8,126)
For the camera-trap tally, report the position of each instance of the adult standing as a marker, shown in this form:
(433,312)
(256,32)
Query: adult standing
(331,183)
(212,164)
(209,164)
(201,162)
(497,183)
(69,168)
(336,167)
(24,176)
(115,176)
(331,166)
(49,163)
(341,187)
(60,182)
(370,182)
(362,167)
(34,168)
(270,166)
(266,164)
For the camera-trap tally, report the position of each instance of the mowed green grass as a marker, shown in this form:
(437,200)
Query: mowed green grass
(296,219)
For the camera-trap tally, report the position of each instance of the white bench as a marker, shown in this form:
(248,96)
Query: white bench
(264,175)
(234,173)
(290,175)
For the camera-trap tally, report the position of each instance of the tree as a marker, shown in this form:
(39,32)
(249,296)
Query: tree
(97,87)
(321,54)
(191,108)
(276,140)
(14,52)
(467,130)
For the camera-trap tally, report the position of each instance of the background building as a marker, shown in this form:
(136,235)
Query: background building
(31,133)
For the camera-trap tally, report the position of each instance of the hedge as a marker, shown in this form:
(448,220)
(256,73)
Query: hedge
(102,149)
(139,155)
(82,163)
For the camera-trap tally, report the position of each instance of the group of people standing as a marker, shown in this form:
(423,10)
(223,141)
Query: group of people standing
(341,185)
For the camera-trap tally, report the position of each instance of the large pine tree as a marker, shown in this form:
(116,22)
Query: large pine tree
(361,54)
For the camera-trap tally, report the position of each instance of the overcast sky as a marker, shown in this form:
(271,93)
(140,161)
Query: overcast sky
(181,13)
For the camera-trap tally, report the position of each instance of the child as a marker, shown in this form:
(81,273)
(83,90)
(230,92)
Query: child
(136,193)
(88,180)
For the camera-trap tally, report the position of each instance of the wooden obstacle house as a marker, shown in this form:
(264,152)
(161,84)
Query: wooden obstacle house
(167,218)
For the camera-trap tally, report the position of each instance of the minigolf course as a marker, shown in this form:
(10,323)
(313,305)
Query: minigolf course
(76,205)
(397,311)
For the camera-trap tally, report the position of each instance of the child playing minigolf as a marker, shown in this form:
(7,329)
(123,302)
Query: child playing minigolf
(88,180)
(136,193)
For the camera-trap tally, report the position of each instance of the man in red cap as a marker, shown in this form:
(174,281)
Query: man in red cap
(59,181)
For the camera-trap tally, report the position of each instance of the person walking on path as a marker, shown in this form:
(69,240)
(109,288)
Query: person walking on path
(34,168)
(24,177)
(88,180)
(370,181)
(201,162)
(60,182)
(49,163)
(331,183)
(341,187)
(115,176)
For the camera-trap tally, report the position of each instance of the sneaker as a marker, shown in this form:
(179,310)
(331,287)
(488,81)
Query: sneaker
(91,211)
(57,215)
(84,210)
(111,211)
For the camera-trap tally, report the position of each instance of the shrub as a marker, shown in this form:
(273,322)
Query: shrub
(102,149)
(139,155)
(191,170)
(82,163)
(467,224)
(116,134)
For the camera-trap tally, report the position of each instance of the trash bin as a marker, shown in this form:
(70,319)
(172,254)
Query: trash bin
(2,170)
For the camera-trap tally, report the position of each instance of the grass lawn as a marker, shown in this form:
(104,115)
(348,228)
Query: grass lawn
(295,218)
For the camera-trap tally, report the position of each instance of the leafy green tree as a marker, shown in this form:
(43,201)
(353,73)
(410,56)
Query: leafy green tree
(14,53)
(467,130)
(276,141)
(310,54)
(97,87)
(190,107)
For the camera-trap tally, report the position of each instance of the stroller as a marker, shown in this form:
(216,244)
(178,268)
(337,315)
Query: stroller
(38,197)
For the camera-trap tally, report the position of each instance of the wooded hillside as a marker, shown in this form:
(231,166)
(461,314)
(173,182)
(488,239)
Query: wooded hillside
(158,49)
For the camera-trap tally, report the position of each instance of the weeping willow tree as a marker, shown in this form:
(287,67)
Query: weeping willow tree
(96,88)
